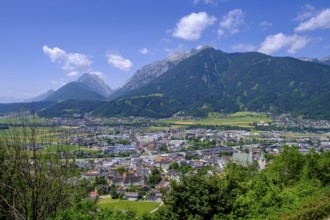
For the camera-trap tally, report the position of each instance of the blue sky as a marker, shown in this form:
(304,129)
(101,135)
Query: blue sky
(45,44)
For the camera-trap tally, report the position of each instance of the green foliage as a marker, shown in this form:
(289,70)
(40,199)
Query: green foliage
(100,181)
(87,210)
(121,195)
(155,177)
(293,186)
(121,170)
(195,197)
(163,148)
(34,183)
(287,169)
(113,191)
(174,165)
(185,169)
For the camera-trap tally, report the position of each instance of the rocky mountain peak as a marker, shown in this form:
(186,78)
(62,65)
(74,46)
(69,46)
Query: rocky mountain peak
(152,71)
(95,83)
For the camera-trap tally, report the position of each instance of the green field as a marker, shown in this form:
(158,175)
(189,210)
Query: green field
(304,135)
(238,119)
(42,134)
(140,207)
(68,148)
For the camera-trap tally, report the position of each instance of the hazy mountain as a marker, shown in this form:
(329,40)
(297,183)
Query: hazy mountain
(324,60)
(309,59)
(40,97)
(87,87)
(95,83)
(74,91)
(7,99)
(22,107)
(151,71)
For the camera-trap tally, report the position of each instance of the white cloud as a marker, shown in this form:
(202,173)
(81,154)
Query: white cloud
(291,43)
(191,26)
(144,51)
(178,49)
(243,47)
(72,63)
(207,1)
(73,73)
(119,62)
(265,24)
(204,1)
(221,32)
(99,74)
(231,22)
(58,82)
(306,12)
(320,21)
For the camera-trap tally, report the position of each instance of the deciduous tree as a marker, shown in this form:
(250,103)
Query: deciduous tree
(37,176)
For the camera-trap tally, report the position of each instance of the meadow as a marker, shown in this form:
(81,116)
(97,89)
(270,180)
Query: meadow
(139,206)
(238,119)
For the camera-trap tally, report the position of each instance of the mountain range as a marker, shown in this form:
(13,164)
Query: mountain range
(202,81)
(324,60)
(87,87)
(151,71)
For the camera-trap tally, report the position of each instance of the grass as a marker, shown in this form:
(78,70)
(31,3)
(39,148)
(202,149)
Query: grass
(89,150)
(238,119)
(139,206)
(151,95)
(303,135)
(154,129)
(165,128)
(69,148)
(20,119)
(43,134)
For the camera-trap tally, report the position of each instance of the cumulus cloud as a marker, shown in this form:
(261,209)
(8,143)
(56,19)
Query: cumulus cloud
(291,43)
(243,47)
(119,62)
(230,23)
(191,26)
(319,21)
(144,51)
(72,63)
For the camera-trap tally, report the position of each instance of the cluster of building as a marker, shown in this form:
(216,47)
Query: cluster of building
(194,148)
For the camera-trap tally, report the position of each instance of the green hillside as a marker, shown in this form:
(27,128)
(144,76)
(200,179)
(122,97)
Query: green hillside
(74,91)
(213,81)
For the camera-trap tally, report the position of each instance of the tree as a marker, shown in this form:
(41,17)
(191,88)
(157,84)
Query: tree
(174,165)
(81,209)
(121,170)
(155,177)
(113,191)
(288,167)
(195,196)
(37,176)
